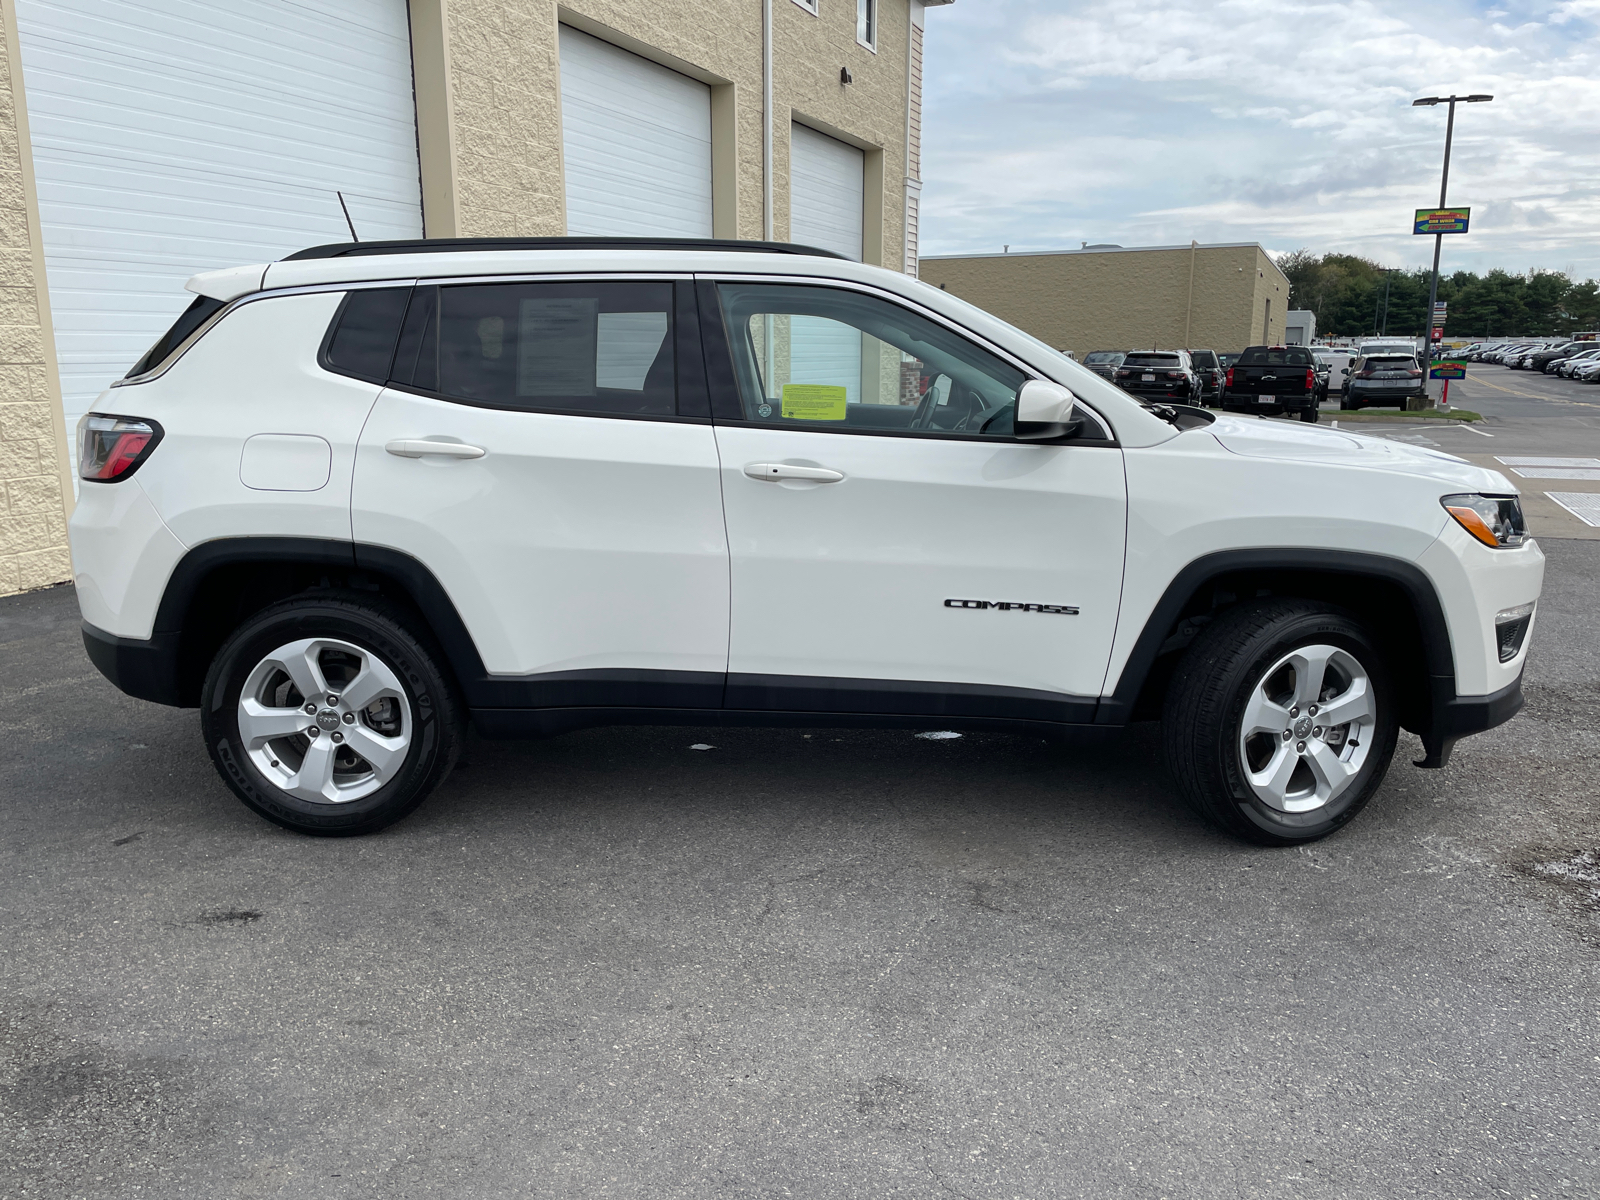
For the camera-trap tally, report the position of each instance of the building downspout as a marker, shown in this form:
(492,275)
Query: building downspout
(766,120)
(1188,313)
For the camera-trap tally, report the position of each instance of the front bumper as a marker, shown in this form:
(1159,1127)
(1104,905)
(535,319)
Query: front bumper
(1456,717)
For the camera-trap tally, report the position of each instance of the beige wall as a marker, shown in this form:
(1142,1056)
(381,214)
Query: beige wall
(1089,300)
(35,484)
(500,142)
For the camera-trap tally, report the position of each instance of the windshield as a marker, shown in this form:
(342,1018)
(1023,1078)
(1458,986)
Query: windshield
(1263,356)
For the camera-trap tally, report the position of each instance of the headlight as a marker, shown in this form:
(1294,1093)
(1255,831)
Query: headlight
(1494,520)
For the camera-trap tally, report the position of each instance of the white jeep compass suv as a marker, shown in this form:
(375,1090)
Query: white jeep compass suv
(360,497)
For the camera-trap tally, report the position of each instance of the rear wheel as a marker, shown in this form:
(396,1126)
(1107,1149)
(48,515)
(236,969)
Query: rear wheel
(328,716)
(1280,721)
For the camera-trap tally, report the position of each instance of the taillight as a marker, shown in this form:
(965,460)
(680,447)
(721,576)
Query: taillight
(1229,382)
(112,448)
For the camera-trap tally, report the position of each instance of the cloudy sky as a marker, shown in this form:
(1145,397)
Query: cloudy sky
(1053,122)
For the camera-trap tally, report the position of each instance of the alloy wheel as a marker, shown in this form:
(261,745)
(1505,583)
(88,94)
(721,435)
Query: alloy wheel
(325,720)
(1307,728)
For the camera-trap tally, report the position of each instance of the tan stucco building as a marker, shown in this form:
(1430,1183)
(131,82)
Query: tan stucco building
(777,119)
(1218,297)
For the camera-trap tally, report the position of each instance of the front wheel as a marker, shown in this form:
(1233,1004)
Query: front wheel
(1280,721)
(328,716)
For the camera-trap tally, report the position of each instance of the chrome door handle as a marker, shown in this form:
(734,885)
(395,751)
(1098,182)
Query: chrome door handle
(417,447)
(772,472)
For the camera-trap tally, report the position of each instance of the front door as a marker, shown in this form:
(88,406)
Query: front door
(893,547)
(543,450)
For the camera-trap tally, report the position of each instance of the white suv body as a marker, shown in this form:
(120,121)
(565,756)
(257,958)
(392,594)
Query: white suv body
(600,482)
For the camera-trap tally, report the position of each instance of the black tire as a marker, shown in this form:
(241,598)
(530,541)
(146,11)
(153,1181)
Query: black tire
(1205,706)
(381,629)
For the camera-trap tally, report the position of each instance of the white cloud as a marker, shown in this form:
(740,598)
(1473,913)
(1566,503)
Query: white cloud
(1248,120)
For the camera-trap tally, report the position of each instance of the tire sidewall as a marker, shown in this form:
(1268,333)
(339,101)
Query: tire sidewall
(219,716)
(1330,629)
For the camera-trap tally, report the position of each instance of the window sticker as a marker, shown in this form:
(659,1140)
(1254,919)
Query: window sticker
(556,347)
(813,402)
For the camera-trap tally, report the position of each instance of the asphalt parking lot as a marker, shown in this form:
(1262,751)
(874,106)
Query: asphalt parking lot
(828,965)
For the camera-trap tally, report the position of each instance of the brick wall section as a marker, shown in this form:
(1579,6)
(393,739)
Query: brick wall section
(35,493)
(506,105)
(1124,299)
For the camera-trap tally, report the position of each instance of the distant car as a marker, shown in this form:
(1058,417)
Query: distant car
(1331,363)
(1209,367)
(1159,375)
(1274,380)
(1384,379)
(1104,363)
(1545,360)
(1569,368)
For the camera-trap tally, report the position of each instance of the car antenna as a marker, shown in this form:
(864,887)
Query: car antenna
(346,210)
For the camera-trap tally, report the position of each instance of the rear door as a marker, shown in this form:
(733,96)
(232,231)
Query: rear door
(894,549)
(544,449)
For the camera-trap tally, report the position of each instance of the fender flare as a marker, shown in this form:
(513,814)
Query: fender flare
(1439,658)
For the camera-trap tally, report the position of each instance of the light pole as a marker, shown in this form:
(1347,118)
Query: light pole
(1444,183)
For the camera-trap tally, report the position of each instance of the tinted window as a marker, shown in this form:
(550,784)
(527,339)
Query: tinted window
(1167,361)
(822,358)
(361,339)
(196,315)
(557,347)
(1262,356)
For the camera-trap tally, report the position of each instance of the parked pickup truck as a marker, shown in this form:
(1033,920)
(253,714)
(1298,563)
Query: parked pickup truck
(1273,380)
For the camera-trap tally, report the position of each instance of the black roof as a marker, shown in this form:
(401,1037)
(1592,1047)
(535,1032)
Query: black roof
(446,245)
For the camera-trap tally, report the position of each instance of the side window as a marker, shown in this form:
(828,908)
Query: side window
(361,338)
(543,347)
(824,358)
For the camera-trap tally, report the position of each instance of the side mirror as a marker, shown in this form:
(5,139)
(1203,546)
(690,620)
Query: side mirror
(1043,410)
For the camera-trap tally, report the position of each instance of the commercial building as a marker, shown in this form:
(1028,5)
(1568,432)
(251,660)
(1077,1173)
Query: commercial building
(146,140)
(1220,297)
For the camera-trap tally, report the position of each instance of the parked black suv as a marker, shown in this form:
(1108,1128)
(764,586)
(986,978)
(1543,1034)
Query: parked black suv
(1159,374)
(1209,367)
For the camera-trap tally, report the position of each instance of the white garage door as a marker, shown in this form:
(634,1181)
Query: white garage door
(174,136)
(827,183)
(636,144)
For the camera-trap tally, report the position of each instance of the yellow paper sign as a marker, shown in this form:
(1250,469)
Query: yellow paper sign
(813,402)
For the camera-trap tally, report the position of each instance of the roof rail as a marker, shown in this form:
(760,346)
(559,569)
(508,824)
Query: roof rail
(447,245)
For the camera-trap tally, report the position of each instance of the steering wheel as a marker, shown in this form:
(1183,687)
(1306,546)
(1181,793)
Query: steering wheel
(923,417)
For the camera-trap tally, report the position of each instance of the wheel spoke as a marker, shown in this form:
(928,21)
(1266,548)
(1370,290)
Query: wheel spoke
(383,754)
(1263,715)
(1274,778)
(302,663)
(372,682)
(1333,774)
(1310,667)
(314,779)
(1354,705)
(259,724)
